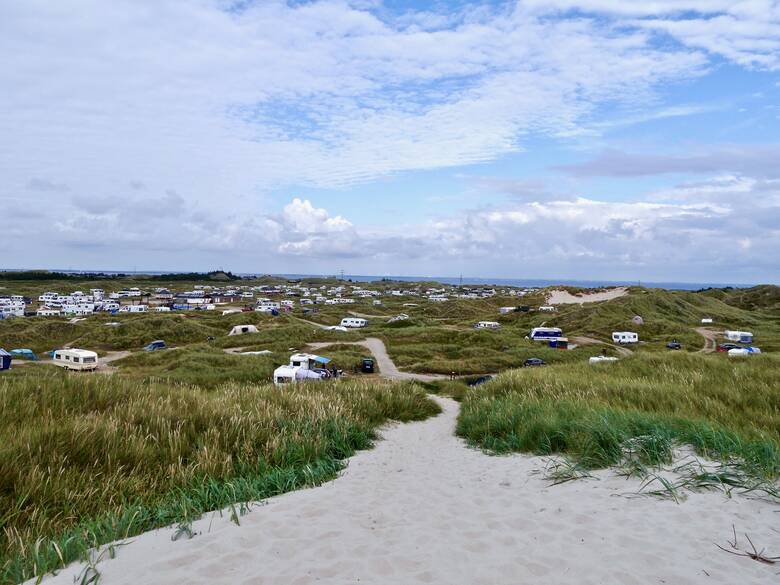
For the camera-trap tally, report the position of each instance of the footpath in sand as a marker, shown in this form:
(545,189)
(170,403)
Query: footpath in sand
(423,508)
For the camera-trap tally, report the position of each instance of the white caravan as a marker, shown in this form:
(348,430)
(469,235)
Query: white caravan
(76,359)
(546,333)
(302,366)
(625,337)
(353,322)
(133,309)
(487,325)
(739,336)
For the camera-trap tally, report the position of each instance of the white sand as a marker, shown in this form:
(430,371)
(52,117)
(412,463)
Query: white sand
(423,508)
(564,297)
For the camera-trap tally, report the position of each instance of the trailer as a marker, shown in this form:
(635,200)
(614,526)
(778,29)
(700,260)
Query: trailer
(487,325)
(75,359)
(546,334)
(354,322)
(625,337)
(302,367)
(739,336)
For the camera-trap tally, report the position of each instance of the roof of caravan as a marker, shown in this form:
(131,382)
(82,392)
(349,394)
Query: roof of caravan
(80,352)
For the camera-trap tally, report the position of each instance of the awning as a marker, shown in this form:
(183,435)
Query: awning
(321,360)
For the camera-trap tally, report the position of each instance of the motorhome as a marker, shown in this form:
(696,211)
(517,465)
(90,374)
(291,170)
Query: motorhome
(353,322)
(546,333)
(739,336)
(302,366)
(625,337)
(75,359)
(487,325)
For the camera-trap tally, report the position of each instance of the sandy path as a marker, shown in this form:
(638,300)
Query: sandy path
(423,508)
(564,297)
(624,351)
(387,367)
(710,339)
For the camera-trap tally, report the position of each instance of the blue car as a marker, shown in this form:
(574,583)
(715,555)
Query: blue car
(155,345)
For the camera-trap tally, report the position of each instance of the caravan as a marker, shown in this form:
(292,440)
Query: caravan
(739,336)
(487,325)
(625,337)
(75,359)
(546,333)
(302,366)
(353,322)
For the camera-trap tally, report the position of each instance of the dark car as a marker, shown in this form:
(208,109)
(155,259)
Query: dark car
(674,345)
(367,366)
(481,380)
(728,346)
(155,345)
(530,362)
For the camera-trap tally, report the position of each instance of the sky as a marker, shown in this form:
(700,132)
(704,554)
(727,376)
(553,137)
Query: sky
(572,139)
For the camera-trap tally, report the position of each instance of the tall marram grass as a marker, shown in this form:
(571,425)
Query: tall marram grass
(88,460)
(644,405)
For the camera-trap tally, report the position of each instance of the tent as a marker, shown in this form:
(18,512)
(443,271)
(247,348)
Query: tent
(27,354)
(241,329)
(5,360)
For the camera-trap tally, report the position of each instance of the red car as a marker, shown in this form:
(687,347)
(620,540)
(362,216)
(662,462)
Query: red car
(728,346)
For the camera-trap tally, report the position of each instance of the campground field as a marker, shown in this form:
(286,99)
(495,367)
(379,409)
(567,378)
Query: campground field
(158,439)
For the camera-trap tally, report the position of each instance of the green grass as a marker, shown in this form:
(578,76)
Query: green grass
(85,460)
(643,405)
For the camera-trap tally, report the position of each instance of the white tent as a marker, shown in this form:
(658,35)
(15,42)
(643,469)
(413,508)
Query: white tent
(241,329)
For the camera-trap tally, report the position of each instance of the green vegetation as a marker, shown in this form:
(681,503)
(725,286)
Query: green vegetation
(635,409)
(89,460)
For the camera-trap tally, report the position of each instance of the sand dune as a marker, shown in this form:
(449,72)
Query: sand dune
(423,508)
(564,297)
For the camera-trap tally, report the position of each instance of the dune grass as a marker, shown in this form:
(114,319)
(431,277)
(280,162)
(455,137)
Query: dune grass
(638,408)
(89,460)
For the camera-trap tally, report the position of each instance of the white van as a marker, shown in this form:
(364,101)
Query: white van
(625,337)
(353,322)
(75,359)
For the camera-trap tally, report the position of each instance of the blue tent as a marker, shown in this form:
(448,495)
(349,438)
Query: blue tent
(5,360)
(24,353)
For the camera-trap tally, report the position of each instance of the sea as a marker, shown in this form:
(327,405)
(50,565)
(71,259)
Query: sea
(452,280)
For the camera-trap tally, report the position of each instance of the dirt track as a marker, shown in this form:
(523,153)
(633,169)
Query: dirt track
(387,367)
(710,339)
(624,351)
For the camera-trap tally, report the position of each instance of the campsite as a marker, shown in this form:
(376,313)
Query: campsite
(211,420)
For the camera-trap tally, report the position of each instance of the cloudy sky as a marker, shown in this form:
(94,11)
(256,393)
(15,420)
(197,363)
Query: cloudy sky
(577,139)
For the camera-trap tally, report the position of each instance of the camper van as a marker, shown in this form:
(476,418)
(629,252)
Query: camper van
(487,325)
(353,322)
(739,336)
(75,359)
(625,337)
(302,366)
(546,333)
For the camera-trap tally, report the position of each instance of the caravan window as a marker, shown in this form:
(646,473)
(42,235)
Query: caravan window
(75,359)
(89,360)
(296,363)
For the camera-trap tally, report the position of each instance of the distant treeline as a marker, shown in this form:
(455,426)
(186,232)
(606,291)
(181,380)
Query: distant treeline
(49,275)
(46,275)
(190,276)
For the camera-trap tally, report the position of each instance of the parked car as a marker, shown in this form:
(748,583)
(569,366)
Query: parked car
(481,380)
(674,345)
(367,366)
(155,345)
(728,346)
(531,362)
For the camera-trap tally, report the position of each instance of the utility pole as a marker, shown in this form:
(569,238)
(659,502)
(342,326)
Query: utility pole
(342,274)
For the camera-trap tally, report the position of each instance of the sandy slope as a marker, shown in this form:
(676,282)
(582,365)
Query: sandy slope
(564,297)
(423,508)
